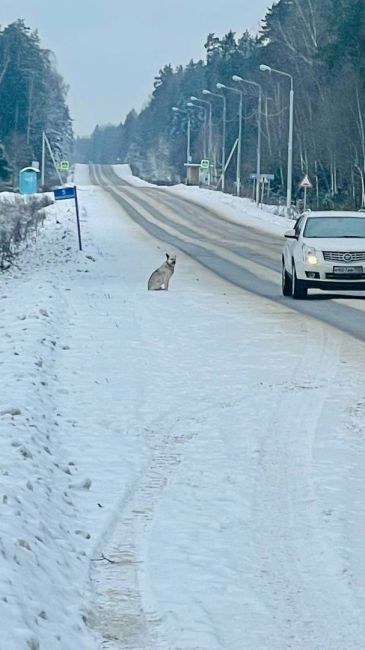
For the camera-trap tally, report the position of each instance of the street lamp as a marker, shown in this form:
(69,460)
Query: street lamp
(266,68)
(188,153)
(201,108)
(202,101)
(222,97)
(221,86)
(258,159)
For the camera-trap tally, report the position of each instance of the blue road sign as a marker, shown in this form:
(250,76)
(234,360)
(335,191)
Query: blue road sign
(64,193)
(70,193)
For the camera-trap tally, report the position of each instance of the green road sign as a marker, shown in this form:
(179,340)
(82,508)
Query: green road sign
(204,164)
(64,165)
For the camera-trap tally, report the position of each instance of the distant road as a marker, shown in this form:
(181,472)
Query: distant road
(242,255)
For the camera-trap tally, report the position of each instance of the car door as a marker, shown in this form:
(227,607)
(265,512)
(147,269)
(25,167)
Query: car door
(292,244)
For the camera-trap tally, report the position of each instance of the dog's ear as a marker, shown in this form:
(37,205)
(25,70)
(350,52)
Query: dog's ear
(167,256)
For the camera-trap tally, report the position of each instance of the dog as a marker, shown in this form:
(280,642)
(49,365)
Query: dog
(159,280)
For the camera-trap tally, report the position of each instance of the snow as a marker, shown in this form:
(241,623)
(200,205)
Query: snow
(179,470)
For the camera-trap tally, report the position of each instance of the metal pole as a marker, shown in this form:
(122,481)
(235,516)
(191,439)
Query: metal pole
(238,174)
(210,140)
(53,158)
(258,165)
(188,154)
(222,97)
(290,149)
(267,68)
(204,132)
(78,219)
(231,153)
(224,142)
(239,139)
(43,159)
(259,110)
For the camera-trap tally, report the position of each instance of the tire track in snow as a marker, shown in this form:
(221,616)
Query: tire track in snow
(125,613)
(294,566)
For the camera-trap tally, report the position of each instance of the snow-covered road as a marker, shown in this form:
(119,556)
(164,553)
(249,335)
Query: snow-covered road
(186,467)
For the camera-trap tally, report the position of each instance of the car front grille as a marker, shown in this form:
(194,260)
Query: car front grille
(347,257)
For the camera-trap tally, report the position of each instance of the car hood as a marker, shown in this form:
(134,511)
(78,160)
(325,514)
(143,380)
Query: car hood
(342,244)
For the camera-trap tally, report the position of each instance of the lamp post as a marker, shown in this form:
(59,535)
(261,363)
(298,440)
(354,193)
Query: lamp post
(201,108)
(259,109)
(203,101)
(188,153)
(266,68)
(239,146)
(222,97)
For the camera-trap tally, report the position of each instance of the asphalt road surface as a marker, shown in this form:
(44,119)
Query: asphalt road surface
(242,255)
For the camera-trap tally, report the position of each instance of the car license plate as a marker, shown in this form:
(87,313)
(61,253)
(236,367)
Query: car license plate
(348,270)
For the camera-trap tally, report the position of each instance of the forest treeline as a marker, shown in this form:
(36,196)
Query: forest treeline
(321,43)
(32,101)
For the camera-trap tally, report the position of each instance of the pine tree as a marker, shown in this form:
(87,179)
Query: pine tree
(5,169)
(32,97)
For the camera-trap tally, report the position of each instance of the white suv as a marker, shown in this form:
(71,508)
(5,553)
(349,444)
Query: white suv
(325,250)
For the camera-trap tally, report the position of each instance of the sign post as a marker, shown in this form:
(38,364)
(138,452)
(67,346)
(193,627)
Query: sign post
(262,180)
(204,173)
(305,183)
(70,193)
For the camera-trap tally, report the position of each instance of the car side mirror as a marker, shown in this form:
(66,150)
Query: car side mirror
(291,234)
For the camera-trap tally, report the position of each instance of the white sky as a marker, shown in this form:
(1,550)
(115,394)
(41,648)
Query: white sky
(207,441)
(109,52)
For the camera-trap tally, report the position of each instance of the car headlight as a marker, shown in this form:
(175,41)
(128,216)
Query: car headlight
(310,255)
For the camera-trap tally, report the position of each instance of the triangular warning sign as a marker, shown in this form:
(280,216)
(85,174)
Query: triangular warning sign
(305,182)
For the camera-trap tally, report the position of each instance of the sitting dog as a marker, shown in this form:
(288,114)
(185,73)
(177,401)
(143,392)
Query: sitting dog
(160,278)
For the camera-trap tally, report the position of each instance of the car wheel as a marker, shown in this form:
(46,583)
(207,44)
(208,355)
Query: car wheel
(298,289)
(285,281)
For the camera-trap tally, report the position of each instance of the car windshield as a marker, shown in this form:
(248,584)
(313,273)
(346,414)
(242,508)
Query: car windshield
(335,227)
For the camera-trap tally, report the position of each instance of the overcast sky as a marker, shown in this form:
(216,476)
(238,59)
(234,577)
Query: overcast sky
(109,51)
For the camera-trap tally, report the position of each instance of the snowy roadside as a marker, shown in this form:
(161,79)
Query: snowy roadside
(42,551)
(144,428)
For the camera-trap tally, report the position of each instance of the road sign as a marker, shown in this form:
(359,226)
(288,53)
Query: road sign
(264,178)
(64,193)
(70,193)
(64,165)
(204,164)
(306,183)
